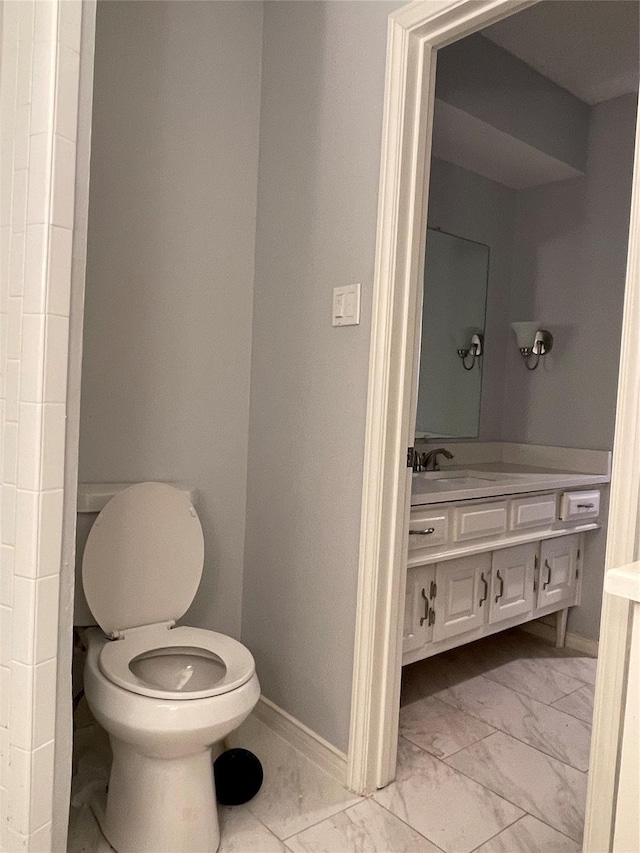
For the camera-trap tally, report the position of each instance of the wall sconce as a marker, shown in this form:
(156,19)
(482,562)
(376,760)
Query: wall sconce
(532,341)
(474,350)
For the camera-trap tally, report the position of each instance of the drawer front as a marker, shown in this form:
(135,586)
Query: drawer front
(428,528)
(577,505)
(478,520)
(534,511)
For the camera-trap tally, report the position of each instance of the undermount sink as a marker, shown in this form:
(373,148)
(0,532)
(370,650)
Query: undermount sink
(462,478)
(449,476)
(462,481)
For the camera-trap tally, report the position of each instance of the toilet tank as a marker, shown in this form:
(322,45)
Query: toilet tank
(93,497)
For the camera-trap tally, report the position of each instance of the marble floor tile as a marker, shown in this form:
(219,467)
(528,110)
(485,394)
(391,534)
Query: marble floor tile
(578,704)
(582,668)
(560,735)
(445,806)
(439,728)
(427,677)
(530,835)
(84,832)
(365,828)
(539,784)
(295,794)
(241,832)
(533,677)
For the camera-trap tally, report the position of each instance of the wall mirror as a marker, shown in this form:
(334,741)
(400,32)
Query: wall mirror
(453,320)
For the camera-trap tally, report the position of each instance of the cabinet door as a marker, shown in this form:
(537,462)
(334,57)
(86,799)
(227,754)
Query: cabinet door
(558,564)
(513,570)
(418,608)
(462,592)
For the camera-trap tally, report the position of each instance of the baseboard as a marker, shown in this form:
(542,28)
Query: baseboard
(572,641)
(307,742)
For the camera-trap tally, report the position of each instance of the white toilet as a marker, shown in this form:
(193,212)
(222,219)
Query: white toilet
(165,695)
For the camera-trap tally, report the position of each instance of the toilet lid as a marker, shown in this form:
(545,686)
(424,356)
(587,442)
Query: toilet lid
(143,559)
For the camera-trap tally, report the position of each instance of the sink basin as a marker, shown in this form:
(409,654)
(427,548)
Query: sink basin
(458,478)
(461,479)
(460,482)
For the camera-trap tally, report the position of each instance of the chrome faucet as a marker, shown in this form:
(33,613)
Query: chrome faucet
(430,460)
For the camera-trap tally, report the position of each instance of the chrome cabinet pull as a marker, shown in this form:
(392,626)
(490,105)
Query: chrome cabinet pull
(424,618)
(422,532)
(486,589)
(432,616)
(548,580)
(501,593)
(585,506)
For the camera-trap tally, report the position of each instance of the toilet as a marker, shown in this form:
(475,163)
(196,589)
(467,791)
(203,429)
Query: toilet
(165,695)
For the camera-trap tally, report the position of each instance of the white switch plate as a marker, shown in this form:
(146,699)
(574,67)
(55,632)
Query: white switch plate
(346,305)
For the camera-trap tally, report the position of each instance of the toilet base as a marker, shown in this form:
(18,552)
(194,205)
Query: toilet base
(157,805)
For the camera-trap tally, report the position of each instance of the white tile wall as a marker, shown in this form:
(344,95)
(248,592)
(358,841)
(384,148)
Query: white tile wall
(38,120)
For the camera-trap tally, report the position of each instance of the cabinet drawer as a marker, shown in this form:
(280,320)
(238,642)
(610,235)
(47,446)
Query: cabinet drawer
(477,520)
(576,505)
(428,528)
(533,511)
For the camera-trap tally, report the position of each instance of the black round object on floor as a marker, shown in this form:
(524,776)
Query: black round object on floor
(238,774)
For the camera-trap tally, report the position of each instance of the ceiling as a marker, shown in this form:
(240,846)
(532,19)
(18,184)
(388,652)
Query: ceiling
(604,37)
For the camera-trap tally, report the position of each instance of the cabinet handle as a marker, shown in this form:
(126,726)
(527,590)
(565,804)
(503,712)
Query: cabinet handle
(422,532)
(432,616)
(585,506)
(424,618)
(486,589)
(548,580)
(501,593)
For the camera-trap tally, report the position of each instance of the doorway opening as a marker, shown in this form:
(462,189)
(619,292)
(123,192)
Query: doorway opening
(546,417)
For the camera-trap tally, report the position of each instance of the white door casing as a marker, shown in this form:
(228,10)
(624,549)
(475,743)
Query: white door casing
(415,32)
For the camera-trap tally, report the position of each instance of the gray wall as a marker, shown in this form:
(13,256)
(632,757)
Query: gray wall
(570,251)
(483,79)
(470,206)
(569,266)
(167,340)
(323,81)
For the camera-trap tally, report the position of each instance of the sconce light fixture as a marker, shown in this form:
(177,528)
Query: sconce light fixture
(533,342)
(474,350)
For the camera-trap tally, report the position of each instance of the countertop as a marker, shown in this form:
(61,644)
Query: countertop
(494,479)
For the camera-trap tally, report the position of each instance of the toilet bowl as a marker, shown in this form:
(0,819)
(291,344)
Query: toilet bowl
(165,695)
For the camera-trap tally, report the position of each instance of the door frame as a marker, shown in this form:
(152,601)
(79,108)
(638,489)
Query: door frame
(415,33)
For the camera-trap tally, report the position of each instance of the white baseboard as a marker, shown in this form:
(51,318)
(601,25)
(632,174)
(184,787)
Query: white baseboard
(572,641)
(302,738)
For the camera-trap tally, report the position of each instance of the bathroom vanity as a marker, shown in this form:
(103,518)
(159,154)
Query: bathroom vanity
(492,546)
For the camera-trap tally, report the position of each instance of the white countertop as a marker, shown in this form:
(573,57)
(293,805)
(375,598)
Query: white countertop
(487,480)
(624,582)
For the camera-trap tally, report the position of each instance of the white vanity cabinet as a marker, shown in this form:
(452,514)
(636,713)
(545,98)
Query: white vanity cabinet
(462,593)
(512,581)
(478,567)
(418,609)
(558,571)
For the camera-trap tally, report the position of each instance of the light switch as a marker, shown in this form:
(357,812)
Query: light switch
(346,305)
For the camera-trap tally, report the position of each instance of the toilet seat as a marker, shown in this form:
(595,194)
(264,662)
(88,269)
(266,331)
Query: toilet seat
(226,663)
(143,559)
(141,568)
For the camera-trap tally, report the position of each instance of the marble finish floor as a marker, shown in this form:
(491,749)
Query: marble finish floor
(493,749)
